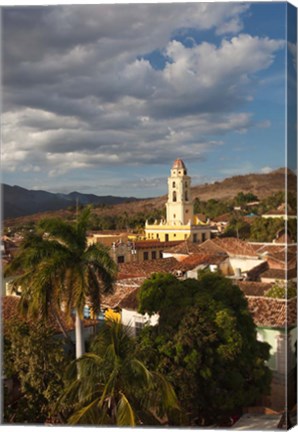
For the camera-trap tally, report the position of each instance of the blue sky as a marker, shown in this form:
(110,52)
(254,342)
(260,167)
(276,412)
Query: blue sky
(103,98)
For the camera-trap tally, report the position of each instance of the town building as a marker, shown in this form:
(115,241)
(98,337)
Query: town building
(180,223)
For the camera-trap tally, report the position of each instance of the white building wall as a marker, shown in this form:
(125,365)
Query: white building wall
(245,264)
(130,318)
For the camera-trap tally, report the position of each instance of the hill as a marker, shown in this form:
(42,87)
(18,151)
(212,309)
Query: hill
(18,201)
(261,185)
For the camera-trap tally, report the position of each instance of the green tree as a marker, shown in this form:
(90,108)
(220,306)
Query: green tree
(115,387)
(237,227)
(282,290)
(59,269)
(35,357)
(205,343)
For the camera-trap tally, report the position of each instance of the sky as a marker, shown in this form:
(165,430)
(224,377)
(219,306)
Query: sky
(102,98)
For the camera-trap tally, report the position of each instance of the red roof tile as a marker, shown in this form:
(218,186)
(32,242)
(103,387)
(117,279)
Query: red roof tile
(196,259)
(10,311)
(271,312)
(146,268)
(251,288)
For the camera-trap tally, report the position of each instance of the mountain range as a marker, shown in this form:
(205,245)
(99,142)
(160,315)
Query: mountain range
(18,202)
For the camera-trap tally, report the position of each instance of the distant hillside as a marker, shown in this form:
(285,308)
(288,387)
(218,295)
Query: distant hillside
(18,201)
(261,185)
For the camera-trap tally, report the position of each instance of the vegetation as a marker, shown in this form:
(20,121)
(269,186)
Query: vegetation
(115,387)
(58,268)
(33,358)
(281,290)
(206,344)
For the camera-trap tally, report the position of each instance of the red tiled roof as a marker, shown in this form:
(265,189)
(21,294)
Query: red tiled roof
(146,268)
(194,260)
(130,301)
(230,245)
(10,311)
(279,274)
(184,248)
(122,289)
(271,312)
(251,288)
(257,271)
(223,218)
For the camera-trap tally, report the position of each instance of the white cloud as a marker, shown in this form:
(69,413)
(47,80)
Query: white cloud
(79,94)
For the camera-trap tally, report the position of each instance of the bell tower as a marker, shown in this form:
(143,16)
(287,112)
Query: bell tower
(179,205)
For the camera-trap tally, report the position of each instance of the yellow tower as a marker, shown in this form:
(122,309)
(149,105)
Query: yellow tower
(179,206)
(180,222)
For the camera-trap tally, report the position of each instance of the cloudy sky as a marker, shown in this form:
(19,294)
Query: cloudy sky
(103,98)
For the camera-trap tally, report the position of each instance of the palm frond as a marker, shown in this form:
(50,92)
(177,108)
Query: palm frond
(125,415)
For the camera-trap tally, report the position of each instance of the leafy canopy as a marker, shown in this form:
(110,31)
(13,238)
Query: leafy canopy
(114,386)
(206,344)
(58,268)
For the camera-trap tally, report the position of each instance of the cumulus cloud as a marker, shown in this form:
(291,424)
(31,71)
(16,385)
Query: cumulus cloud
(81,89)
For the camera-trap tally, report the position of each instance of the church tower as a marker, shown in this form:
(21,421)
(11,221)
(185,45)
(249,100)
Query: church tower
(179,205)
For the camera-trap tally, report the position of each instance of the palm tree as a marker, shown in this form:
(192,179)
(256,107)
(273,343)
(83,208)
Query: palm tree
(59,270)
(114,386)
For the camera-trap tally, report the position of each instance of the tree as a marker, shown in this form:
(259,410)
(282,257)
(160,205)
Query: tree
(205,343)
(115,387)
(237,227)
(60,270)
(35,358)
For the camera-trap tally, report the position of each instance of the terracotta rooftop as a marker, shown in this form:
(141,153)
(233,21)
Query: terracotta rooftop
(229,245)
(130,301)
(184,248)
(282,210)
(251,288)
(222,218)
(271,312)
(146,268)
(10,311)
(279,274)
(257,271)
(196,259)
(122,289)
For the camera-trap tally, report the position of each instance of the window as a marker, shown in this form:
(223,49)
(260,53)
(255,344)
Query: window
(153,255)
(174,235)
(203,237)
(120,259)
(186,196)
(167,237)
(195,238)
(146,256)
(174,184)
(160,254)
(174,216)
(157,236)
(174,196)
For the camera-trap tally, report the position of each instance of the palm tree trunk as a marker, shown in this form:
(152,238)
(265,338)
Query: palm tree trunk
(80,343)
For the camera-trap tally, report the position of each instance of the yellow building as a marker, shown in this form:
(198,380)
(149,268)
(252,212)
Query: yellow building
(180,223)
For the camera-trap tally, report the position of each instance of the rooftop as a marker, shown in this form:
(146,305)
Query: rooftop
(146,268)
